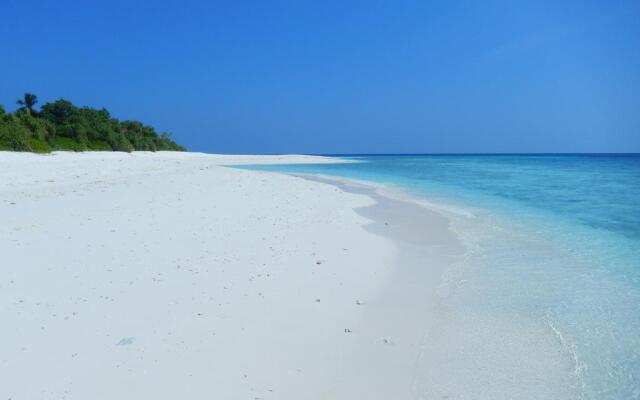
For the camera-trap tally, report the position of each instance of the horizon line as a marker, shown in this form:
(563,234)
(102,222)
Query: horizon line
(480,154)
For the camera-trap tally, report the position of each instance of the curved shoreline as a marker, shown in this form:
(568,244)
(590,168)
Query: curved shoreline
(242,283)
(464,351)
(402,313)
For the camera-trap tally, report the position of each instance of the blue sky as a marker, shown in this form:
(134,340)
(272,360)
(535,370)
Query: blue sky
(340,76)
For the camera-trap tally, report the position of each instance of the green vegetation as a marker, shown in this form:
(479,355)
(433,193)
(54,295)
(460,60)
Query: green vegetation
(62,126)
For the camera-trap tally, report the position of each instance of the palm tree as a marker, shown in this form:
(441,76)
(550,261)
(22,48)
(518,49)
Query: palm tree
(28,102)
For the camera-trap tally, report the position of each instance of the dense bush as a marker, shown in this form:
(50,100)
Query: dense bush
(13,135)
(60,125)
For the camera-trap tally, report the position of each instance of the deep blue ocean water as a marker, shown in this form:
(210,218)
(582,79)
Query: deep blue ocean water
(556,240)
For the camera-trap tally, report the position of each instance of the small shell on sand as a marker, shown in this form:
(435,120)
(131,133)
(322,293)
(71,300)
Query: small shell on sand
(125,341)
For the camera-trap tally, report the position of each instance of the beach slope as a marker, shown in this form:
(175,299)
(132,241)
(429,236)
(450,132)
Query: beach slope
(169,275)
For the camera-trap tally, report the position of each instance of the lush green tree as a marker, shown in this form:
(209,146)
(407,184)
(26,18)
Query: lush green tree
(2,111)
(27,102)
(58,112)
(60,125)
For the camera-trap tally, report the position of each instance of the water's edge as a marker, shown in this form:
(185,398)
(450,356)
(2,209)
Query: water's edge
(552,263)
(453,353)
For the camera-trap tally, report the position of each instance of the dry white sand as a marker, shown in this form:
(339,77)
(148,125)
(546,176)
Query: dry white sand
(170,276)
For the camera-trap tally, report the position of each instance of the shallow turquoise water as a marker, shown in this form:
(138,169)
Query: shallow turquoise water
(556,241)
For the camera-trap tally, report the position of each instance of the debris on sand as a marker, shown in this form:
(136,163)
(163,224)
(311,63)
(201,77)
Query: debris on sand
(126,341)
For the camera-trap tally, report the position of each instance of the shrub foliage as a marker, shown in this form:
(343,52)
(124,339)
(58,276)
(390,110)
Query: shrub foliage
(60,125)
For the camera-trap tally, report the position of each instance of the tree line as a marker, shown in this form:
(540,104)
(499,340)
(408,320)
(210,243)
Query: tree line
(60,125)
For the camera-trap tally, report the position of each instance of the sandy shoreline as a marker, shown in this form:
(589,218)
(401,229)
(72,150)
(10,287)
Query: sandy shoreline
(168,275)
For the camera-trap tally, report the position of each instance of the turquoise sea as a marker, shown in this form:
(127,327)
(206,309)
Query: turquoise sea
(553,242)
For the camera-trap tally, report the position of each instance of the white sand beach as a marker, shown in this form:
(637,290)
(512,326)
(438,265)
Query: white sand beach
(169,275)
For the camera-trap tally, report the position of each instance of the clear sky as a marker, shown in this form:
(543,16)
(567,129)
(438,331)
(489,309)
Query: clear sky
(340,76)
